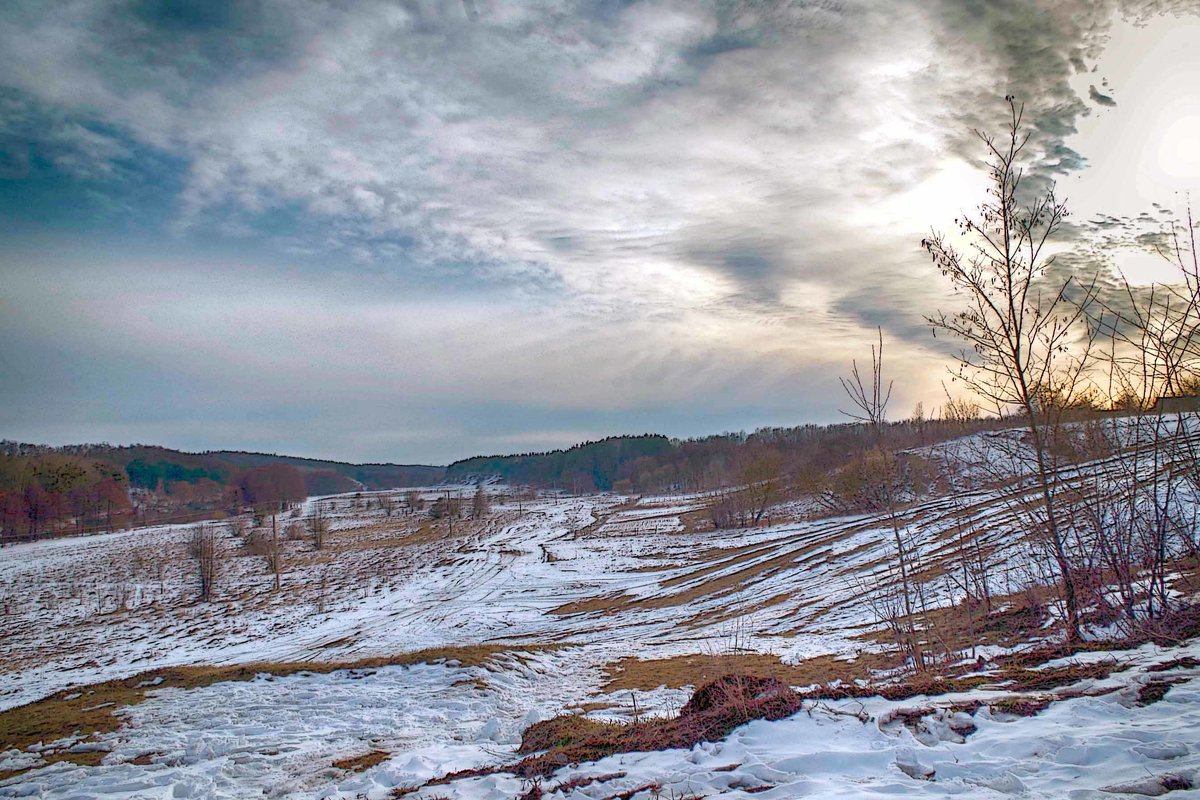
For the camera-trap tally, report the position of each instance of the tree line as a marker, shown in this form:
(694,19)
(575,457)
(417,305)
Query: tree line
(44,492)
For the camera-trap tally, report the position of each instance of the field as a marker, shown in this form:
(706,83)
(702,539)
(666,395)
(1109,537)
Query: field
(402,652)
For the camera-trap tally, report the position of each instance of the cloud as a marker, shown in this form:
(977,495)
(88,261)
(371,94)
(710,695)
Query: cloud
(661,201)
(1100,99)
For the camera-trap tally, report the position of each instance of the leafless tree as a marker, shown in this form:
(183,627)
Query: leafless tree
(1153,352)
(1017,324)
(203,548)
(870,399)
(238,527)
(318,525)
(762,479)
(275,565)
(479,503)
(387,503)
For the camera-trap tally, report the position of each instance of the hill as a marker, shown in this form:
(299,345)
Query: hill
(585,467)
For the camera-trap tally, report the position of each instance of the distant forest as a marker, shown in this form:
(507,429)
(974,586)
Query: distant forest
(77,488)
(80,488)
(802,455)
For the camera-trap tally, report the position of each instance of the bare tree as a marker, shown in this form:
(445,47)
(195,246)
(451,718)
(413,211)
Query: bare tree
(1153,352)
(203,548)
(479,503)
(318,525)
(275,565)
(870,398)
(387,503)
(239,526)
(1018,325)
(761,480)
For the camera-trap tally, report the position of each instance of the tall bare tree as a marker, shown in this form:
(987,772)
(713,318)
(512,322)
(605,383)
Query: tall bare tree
(1017,322)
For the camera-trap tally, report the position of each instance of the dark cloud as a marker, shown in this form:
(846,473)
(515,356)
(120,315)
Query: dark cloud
(1100,99)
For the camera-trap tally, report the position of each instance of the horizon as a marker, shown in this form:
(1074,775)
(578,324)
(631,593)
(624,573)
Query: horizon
(395,234)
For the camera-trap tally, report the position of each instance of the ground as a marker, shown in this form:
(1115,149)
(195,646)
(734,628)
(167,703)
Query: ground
(613,607)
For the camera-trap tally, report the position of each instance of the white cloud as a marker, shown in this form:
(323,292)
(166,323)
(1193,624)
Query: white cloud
(661,203)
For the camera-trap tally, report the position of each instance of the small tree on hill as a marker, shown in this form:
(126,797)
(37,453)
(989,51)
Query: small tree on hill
(203,548)
(479,503)
(319,527)
(269,489)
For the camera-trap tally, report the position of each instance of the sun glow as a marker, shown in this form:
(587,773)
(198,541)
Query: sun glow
(1179,148)
(1145,149)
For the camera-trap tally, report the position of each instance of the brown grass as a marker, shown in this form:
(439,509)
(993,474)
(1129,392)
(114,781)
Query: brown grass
(1021,706)
(712,713)
(697,670)
(1187,662)
(604,604)
(362,762)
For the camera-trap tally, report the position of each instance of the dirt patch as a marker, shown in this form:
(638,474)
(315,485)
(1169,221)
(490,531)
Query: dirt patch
(362,762)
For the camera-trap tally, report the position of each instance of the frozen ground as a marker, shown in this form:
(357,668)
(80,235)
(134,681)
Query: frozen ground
(277,737)
(1092,746)
(601,578)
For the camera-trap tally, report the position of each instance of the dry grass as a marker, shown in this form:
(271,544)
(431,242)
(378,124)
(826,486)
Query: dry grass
(1021,706)
(362,762)
(604,604)
(712,713)
(697,670)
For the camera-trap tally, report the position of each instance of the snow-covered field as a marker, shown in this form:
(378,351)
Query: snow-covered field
(570,586)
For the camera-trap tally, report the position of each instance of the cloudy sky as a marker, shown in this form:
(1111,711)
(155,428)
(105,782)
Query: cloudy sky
(416,231)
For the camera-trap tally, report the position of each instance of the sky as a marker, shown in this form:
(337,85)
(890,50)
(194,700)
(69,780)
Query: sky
(420,231)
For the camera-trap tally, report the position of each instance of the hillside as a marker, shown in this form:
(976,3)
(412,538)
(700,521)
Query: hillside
(417,655)
(368,476)
(586,467)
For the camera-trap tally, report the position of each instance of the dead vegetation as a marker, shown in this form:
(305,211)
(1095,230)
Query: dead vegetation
(698,670)
(1153,691)
(362,762)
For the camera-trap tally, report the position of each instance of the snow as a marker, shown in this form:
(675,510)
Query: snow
(599,578)
(1074,749)
(277,737)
